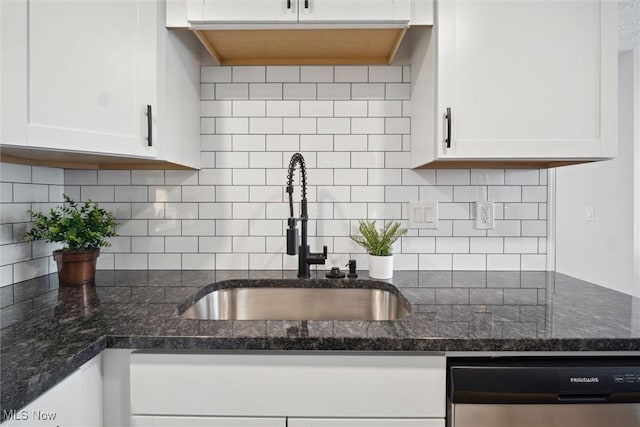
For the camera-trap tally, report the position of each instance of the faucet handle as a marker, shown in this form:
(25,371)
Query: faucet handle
(324,252)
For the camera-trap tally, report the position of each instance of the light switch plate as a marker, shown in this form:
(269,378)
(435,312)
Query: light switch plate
(423,214)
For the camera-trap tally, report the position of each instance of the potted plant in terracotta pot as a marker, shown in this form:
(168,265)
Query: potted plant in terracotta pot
(83,229)
(378,245)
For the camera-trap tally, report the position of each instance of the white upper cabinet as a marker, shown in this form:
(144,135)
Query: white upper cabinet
(292,11)
(98,81)
(517,80)
(89,84)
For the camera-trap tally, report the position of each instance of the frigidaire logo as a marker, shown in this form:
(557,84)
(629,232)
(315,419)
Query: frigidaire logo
(584,379)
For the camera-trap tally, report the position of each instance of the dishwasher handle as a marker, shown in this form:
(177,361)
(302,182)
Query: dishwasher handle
(583,398)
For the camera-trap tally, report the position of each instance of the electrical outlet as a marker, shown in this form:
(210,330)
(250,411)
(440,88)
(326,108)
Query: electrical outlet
(484,215)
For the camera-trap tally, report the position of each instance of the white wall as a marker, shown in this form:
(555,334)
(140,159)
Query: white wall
(602,250)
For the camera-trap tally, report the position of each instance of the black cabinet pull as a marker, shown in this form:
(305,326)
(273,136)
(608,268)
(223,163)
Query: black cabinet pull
(149,131)
(447,116)
(306,4)
(288,4)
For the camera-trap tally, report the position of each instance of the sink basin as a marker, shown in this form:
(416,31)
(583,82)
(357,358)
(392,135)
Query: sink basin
(299,300)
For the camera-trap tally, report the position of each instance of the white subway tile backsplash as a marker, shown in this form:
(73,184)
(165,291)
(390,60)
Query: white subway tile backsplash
(334,91)
(299,125)
(248,74)
(181,211)
(453,176)
(147,210)
(181,244)
(165,227)
(165,193)
(215,74)
(435,261)
(368,91)
(198,261)
(369,160)
(469,262)
(96,193)
(215,244)
(323,73)
(367,126)
(45,175)
(503,262)
(534,194)
(143,177)
(452,245)
(146,244)
(283,108)
(165,261)
(397,160)
(247,109)
(351,123)
(505,193)
(216,108)
(265,227)
(218,176)
(350,176)
(32,193)
(262,125)
(398,91)
(283,74)
(232,91)
(348,73)
(350,108)
(521,176)
(334,126)
(397,125)
(316,143)
(299,91)
(232,261)
(316,108)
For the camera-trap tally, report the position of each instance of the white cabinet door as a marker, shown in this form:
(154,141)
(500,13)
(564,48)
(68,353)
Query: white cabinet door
(354,10)
(247,10)
(527,78)
(74,402)
(361,422)
(150,421)
(91,73)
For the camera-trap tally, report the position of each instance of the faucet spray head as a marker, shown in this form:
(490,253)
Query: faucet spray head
(292,237)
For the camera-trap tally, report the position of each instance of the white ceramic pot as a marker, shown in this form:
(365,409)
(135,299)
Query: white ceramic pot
(381,267)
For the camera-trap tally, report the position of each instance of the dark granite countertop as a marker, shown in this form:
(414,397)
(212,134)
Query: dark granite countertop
(49,331)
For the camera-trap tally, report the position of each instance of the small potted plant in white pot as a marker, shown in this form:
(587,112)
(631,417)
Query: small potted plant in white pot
(378,245)
(83,229)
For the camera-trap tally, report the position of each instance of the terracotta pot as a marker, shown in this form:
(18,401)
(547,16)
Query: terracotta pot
(76,268)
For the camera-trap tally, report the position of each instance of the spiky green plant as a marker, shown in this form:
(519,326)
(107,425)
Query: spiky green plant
(376,242)
(80,226)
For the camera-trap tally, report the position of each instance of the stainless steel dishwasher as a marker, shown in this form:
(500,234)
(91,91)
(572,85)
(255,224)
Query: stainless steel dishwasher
(548,392)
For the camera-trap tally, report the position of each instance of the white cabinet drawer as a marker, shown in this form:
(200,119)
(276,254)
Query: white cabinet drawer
(300,385)
(364,422)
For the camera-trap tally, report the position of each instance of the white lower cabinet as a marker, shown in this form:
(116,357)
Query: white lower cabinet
(364,422)
(149,421)
(310,390)
(74,402)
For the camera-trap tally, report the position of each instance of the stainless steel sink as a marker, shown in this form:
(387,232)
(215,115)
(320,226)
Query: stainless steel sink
(313,302)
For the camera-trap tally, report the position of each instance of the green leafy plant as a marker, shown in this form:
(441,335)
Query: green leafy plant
(80,226)
(376,242)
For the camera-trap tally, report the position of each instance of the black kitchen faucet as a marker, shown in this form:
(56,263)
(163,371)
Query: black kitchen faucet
(305,256)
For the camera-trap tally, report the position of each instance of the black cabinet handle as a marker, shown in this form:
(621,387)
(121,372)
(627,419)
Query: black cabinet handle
(306,4)
(447,116)
(149,129)
(288,4)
